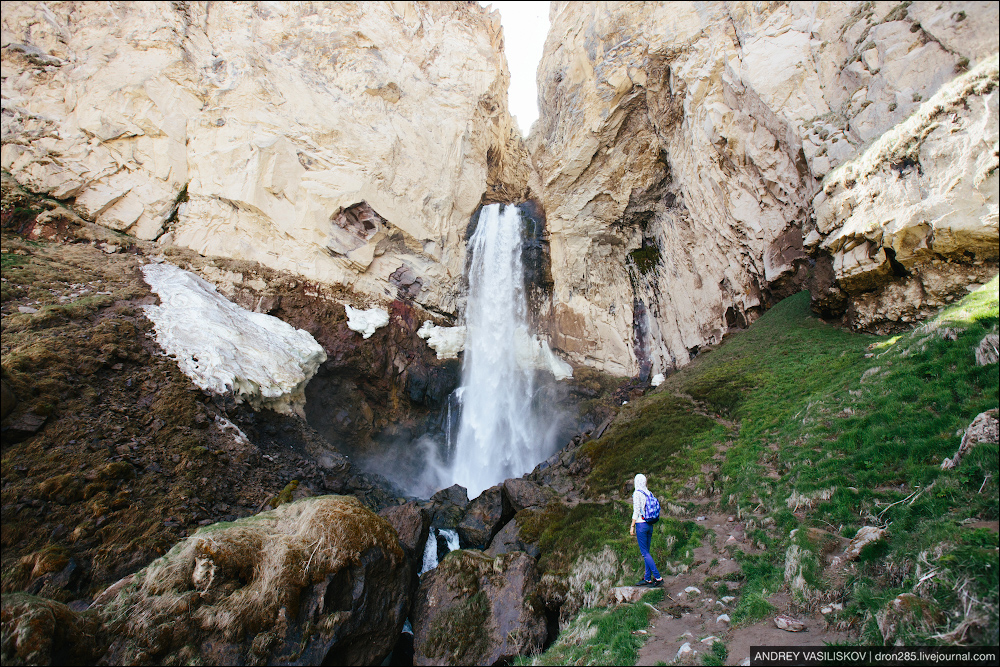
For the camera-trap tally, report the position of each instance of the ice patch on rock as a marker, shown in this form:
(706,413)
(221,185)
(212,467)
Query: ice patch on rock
(365,322)
(223,347)
(446,341)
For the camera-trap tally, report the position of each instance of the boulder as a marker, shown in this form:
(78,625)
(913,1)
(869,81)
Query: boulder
(484,517)
(24,426)
(448,506)
(37,631)
(319,580)
(789,624)
(986,351)
(477,610)
(412,523)
(509,539)
(521,494)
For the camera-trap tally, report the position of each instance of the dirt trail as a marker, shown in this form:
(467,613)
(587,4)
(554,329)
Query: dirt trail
(695,600)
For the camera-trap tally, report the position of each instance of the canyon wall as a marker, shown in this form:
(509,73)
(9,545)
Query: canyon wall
(681,145)
(693,162)
(347,143)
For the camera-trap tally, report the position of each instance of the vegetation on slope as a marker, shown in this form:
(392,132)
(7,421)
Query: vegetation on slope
(797,424)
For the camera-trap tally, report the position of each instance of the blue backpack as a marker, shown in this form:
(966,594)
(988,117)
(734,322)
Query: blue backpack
(651,513)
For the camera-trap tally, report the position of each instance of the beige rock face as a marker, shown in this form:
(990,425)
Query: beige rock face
(344,142)
(911,223)
(680,147)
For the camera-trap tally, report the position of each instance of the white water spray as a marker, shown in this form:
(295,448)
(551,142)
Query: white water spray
(431,548)
(502,433)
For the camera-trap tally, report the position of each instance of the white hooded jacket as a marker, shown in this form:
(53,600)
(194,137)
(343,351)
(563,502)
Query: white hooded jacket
(639,499)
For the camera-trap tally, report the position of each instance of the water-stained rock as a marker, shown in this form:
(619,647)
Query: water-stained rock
(319,580)
(477,610)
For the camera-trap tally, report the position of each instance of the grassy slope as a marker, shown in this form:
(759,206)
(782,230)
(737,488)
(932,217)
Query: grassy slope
(796,406)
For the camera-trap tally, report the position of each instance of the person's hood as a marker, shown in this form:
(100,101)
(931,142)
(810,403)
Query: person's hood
(640,482)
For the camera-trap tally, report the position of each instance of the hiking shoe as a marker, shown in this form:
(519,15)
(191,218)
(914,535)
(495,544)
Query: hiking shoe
(646,582)
(655,584)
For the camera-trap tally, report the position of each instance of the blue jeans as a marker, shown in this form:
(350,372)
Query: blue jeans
(644,535)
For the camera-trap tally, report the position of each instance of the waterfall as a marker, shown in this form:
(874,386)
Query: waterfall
(432,549)
(503,432)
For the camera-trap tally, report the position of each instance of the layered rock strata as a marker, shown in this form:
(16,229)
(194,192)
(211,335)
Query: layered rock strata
(680,146)
(346,143)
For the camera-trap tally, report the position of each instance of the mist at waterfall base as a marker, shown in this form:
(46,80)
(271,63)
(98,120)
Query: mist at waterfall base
(508,414)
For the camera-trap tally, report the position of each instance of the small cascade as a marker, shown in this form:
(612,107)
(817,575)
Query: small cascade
(433,550)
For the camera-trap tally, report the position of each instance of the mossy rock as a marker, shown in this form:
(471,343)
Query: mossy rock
(320,579)
(37,631)
(485,610)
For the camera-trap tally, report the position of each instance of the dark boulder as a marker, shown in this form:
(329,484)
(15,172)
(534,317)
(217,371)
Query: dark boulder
(484,517)
(448,506)
(509,539)
(476,610)
(37,631)
(412,523)
(521,494)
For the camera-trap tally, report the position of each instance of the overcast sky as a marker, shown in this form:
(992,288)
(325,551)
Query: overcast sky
(524,27)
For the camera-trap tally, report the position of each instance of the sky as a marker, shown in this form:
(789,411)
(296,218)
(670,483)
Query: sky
(524,27)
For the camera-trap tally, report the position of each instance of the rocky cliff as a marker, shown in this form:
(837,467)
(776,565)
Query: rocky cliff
(681,149)
(345,143)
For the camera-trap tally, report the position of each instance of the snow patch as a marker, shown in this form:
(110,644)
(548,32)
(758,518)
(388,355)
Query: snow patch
(365,322)
(446,341)
(533,352)
(224,348)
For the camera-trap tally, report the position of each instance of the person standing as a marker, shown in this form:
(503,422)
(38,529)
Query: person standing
(643,531)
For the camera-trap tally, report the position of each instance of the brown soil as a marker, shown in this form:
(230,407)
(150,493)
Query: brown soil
(110,453)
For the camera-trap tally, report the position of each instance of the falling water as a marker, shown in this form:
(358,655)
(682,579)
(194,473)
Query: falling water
(432,549)
(502,432)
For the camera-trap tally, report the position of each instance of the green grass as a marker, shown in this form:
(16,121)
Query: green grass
(803,407)
(601,636)
(647,438)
